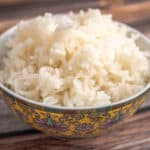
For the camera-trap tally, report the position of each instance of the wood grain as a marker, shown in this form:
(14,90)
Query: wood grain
(9,122)
(18,2)
(134,134)
(129,13)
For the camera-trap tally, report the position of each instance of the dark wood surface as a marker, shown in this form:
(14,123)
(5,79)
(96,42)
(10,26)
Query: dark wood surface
(132,134)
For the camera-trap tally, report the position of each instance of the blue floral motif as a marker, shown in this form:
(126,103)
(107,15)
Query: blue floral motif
(84,127)
(50,124)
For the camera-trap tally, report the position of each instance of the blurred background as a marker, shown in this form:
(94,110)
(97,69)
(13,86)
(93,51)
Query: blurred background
(133,12)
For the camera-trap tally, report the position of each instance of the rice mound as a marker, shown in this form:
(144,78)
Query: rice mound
(74,59)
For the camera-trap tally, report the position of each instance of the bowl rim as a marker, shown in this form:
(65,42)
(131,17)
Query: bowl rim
(40,104)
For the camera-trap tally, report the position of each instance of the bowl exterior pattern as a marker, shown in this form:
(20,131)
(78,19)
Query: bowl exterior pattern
(72,123)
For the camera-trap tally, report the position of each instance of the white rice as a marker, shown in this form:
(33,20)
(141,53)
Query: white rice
(83,59)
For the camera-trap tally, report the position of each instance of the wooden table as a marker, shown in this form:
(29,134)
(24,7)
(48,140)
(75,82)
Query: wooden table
(132,134)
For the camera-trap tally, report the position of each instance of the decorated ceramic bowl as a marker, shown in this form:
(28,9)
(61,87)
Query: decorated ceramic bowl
(72,122)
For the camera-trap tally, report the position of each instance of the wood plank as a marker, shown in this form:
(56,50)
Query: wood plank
(129,13)
(4,25)
(143,27)
(102,2)
(18,2)
(34,9)
(134,134)
(135,12)
(9,122)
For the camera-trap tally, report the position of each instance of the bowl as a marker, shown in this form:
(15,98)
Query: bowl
(76,122)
